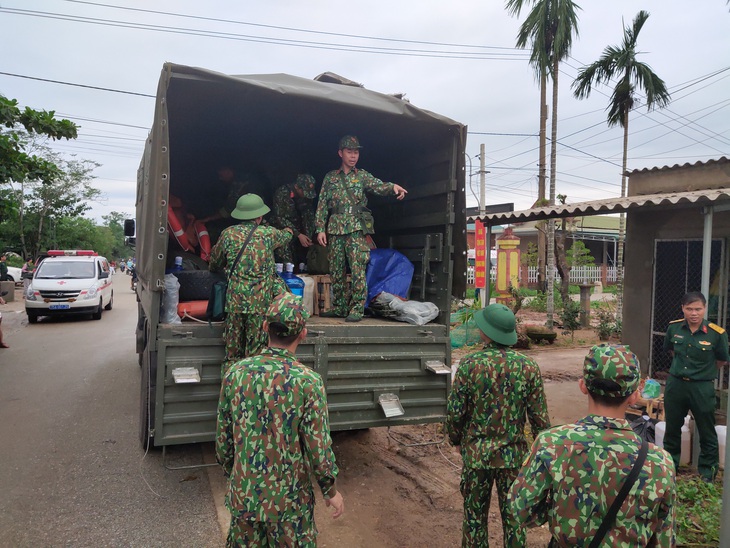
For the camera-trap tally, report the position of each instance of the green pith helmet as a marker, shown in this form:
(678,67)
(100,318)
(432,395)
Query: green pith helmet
(498,323)
(349,141)
(249,206)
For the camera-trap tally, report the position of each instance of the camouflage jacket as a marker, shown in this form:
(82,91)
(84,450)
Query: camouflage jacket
(334,195)
(292,212)
(272,435)
(254,283)
(575,471)
(495,390)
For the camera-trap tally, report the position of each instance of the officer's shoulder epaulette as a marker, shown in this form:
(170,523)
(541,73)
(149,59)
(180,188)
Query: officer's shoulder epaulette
(676,321)
(716,327)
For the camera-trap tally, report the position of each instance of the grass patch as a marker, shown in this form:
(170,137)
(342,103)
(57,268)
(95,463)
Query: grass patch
(699,507)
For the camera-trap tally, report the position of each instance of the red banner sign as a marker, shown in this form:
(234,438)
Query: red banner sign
(480,256)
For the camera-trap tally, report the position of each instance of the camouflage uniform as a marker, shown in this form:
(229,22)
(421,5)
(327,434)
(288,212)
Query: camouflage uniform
(272,436)
(345,238)
(690,387)
(251,288)
(575,471)
(296,213)
(494,391)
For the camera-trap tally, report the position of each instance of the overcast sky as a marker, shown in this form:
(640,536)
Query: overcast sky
(456,58)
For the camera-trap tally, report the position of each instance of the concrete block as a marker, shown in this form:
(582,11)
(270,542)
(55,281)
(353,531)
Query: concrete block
(10,288)
(598,289)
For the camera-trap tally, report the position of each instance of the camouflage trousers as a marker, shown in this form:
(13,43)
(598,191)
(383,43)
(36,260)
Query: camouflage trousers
(349,249)
(261,534)
(243,335)
(476,488)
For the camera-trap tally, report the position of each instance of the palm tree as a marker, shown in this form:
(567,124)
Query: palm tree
(549,26)
(621,62)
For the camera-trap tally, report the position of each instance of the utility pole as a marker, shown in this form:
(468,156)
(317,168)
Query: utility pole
(482,184)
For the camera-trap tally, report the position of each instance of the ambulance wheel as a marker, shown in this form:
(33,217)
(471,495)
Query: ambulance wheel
(97,315)
(110,303)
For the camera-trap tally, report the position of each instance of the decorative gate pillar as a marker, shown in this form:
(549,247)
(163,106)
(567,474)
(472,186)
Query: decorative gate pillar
(508,265)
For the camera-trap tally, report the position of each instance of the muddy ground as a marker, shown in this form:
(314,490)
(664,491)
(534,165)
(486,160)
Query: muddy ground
(401,496)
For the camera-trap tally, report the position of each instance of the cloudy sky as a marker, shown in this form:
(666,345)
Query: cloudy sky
(98,63)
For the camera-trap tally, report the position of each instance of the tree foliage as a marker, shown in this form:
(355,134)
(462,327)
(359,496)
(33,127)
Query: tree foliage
(580,255)
(16,164)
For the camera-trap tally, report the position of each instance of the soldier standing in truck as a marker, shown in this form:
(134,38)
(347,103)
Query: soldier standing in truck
(253,284)
(294,208)
(339,225)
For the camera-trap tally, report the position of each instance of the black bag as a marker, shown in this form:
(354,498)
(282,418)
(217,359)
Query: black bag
(216,310)
(318,261)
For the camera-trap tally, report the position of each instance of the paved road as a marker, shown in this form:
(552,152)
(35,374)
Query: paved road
(73,472)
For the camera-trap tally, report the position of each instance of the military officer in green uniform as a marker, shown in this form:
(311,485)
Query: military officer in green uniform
(339,226)
(294,208)
(575,471)
(273,436)
(494,392)
(696,347)
(254,283)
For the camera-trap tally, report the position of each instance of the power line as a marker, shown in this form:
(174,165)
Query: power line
(77,85)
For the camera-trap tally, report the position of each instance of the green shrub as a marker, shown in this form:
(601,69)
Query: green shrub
(569,317)
(699,507)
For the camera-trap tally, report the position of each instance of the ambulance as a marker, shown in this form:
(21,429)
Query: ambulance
(70,282)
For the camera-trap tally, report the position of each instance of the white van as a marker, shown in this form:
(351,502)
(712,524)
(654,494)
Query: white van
(70,282)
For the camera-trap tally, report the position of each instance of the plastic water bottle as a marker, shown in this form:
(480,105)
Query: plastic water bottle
(280,269)
(178,264)
(295,283)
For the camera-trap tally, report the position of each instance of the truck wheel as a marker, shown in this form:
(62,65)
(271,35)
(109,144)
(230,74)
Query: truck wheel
(146,405)
(110,303)
(97,315)
(32,317)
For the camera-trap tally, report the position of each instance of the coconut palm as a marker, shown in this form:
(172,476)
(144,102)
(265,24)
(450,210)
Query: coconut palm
(620,62)
(549,27)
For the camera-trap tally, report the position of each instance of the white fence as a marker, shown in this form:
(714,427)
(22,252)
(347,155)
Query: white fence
(578,274)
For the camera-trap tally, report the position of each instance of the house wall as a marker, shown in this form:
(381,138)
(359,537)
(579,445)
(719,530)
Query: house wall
(644,227)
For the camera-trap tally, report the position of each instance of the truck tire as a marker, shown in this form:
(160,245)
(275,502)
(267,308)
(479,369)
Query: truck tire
(110,303)
(97,315)
(146,400)
(195,284)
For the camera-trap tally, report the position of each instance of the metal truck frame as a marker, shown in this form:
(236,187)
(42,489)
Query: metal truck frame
(277,125)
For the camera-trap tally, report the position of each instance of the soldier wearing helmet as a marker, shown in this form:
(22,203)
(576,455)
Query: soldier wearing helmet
(252,280)
(494,393)
(576,471)
(340,226)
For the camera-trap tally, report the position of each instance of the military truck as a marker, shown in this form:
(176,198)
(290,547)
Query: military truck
(378,372)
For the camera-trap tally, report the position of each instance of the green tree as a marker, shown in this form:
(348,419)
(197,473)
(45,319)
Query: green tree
(549,27)
(580,255)
(621,63)
(529,257)
(15,163)
(115,223)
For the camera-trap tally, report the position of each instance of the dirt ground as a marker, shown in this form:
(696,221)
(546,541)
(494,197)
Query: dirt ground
(401,496)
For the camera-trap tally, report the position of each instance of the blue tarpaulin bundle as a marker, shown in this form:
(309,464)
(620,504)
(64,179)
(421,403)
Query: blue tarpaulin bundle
(390,271)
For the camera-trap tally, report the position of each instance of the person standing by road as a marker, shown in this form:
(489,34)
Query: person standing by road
(494,392)
(2,344)
(294,208)
(575,472)
(273,435)
(339,225)
(26,273)
(3,268)
(254,283)
(697,348)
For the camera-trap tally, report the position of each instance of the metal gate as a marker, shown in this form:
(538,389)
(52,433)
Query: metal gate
(677,270)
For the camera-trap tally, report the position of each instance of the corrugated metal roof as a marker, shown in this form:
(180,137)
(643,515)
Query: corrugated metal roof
(722,160)
(613,205)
